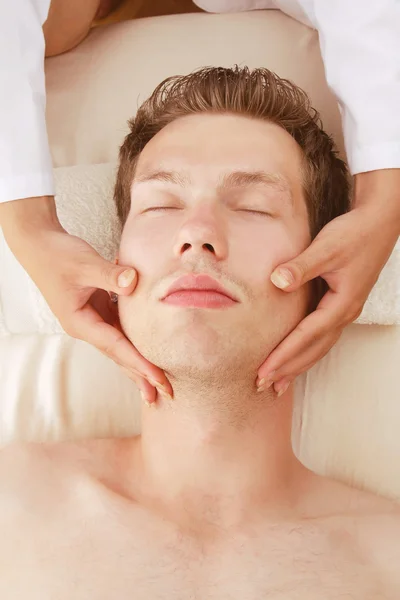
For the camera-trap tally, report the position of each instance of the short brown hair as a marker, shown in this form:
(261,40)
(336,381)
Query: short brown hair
(259,94)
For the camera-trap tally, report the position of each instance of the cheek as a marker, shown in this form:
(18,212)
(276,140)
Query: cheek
(259,248)
(129,309)
(140,247)
(271,244)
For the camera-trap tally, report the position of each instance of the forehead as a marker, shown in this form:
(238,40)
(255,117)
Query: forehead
(205,145)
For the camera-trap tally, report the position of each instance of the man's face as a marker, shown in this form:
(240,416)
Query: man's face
(219,195)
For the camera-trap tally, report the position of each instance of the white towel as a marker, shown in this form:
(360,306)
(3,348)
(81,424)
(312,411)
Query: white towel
(86,209)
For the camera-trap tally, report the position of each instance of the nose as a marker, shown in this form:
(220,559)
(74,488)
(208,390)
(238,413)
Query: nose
(202,235)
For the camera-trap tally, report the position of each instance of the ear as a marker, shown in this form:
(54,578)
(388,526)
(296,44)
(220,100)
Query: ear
(114,312)
(103,305)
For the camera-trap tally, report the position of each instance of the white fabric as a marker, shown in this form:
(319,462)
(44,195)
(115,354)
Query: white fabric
(360,44)
(25,161)
(360,47)
(86,209)
(97,86)
(53,388)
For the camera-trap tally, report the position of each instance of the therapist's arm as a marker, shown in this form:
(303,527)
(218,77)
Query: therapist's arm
(360,46)
(71,275)
(25,161)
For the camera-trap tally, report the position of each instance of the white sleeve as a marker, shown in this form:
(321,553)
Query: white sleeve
(25,161)
(360,45)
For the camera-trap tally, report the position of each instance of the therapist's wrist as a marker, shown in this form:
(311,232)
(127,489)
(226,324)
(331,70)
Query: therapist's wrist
(380,192)
(29,215)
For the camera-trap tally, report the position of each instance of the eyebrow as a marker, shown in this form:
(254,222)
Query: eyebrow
(233,179)
(249,178)
(165,176)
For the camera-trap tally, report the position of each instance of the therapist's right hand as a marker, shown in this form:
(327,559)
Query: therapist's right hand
(71,274)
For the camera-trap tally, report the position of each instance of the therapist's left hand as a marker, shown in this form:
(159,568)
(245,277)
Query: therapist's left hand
(349,254)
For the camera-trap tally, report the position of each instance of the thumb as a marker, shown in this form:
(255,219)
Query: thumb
(106,276)
(292,275)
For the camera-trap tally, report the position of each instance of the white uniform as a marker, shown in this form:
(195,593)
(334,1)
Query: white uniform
(360,45)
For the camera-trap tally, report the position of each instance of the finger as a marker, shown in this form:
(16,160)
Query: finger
(292,369)
(102,304)
(282,386)
(329,317)
(297,354)
(112,342)
(313,262)
(101,274)
(148,392)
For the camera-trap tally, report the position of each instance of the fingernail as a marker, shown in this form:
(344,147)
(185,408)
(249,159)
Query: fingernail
(161,388)
(283,390)
(265,382)
(164,393)
(264,385)
(126,278)
(282,278)
(144,399)
(155,383)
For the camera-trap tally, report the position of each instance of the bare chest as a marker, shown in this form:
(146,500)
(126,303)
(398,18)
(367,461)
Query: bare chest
(64,557)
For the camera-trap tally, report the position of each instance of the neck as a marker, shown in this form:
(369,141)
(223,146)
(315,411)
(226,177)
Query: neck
(227,445)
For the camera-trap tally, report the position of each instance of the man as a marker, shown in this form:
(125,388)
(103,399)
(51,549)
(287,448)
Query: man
(210,500)
(359,43)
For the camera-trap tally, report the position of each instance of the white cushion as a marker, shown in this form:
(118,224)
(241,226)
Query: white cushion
(93,90)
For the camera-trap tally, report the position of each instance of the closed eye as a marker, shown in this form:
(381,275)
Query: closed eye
(255,212)
(160,208)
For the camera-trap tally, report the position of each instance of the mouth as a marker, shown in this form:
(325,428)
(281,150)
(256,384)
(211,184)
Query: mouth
(199,291)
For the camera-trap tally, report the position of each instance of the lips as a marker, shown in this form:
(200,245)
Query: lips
(203,283)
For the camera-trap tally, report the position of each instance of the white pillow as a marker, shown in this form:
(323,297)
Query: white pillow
(85,208)
(93,90)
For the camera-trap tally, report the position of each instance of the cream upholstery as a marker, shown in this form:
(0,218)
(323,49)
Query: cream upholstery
(94,89)
(52,387)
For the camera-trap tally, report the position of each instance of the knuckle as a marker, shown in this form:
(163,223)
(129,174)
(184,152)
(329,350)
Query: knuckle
(77,269)
(107,273)
(350,318)
(329,251)
(315,337)
(353,313)
(111,348)
(131,375)
(70,329)
(300,268)
(281,373)
(309,335)
(358,309)
(336,336)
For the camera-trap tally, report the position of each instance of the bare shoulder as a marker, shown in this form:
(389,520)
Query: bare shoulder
(378,536)
(35,476)
(331,497)
(371,521)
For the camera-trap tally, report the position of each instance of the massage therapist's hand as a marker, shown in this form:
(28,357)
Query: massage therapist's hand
(73,279)
(349,254)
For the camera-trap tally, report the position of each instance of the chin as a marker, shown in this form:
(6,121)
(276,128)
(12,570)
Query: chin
(203,358)
(182,351)
(197,345)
